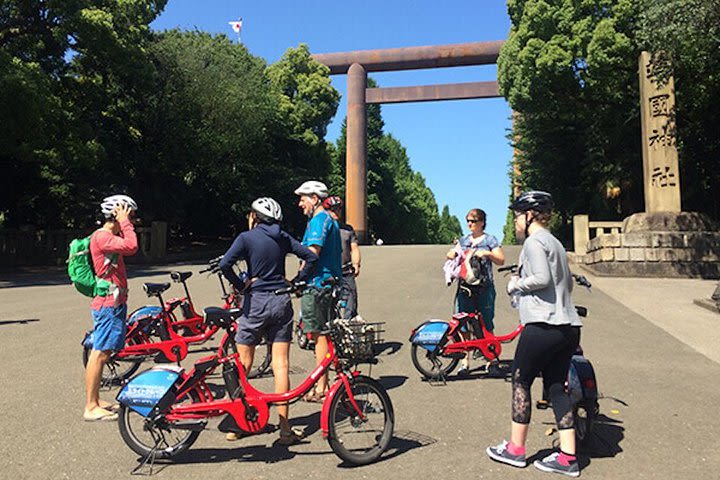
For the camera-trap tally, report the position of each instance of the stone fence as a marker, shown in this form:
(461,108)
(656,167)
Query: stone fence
(50,247)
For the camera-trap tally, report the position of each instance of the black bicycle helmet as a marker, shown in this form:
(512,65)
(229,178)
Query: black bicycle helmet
(538,201)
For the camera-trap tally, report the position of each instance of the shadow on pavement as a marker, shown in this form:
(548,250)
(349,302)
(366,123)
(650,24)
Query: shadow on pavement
(21,322)
(403,441)
(252,453)
(604,442)
(60,277)
(392,381)
(388,348)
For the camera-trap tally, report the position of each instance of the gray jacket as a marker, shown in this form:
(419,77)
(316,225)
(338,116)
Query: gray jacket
(545,282)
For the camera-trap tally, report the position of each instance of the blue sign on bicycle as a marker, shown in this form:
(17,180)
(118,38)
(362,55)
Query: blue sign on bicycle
(145,391)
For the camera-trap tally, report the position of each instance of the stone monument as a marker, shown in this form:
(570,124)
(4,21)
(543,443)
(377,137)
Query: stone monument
(663,241)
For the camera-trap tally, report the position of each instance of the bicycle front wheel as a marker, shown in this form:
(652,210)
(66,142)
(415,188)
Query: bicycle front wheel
(361,439)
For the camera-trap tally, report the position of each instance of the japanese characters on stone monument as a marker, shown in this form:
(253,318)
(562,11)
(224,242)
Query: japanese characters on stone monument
(660,156)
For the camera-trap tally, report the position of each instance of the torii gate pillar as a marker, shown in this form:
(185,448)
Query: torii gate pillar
(356,64)
(355,163)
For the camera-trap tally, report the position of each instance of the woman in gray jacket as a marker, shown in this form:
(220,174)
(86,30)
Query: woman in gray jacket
(548,340)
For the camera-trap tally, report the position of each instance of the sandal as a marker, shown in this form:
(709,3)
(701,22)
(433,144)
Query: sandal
(291,438)
(99,414)
(111,407)
(315,396)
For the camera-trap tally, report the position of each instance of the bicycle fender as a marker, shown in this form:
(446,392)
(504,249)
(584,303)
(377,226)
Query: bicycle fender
(325,412)
(430,334)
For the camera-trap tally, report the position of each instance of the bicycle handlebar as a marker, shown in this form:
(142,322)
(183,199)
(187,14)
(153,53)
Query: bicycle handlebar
(509,268)
(295,287)
(582,281)
(213,265)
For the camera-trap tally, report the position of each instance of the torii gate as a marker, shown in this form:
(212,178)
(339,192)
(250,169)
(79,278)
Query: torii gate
(356,65)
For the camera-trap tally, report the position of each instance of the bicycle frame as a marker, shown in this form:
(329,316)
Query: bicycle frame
(175,347)
(490,345)
(252,399)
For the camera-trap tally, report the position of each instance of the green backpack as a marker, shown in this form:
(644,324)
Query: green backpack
(80,270)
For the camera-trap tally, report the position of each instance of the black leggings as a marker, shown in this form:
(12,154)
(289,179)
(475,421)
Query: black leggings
(547,349)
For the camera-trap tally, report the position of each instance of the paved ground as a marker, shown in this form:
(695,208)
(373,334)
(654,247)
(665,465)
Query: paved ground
(654,353)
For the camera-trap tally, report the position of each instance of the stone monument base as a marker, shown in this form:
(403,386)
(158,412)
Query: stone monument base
(659,244)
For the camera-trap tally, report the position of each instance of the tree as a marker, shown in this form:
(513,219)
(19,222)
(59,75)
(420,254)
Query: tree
(308,102)
(684,36)
(68,70)
(569,70)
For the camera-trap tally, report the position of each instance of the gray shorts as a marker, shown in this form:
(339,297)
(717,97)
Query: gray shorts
(265,315)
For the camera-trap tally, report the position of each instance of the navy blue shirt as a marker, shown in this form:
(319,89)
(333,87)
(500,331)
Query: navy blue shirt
(264,248)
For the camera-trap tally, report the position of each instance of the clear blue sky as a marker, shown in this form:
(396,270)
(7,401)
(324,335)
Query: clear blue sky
(459,146)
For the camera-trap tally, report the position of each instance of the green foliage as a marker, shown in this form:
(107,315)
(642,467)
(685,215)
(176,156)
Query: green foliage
(685,38)
(190,124)
(569,71)
(509,229)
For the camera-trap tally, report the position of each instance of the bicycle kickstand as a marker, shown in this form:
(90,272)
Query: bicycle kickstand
(149,458)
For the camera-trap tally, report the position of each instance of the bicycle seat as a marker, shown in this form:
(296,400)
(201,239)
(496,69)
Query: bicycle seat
(180,276)
(221,317)
(155,288)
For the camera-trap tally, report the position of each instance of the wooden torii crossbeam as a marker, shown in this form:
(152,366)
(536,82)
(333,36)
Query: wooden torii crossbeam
(358,63)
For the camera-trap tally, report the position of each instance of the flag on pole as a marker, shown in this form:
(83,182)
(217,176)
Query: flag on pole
(236,26)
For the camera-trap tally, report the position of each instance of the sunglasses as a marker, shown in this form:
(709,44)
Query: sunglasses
(472,220)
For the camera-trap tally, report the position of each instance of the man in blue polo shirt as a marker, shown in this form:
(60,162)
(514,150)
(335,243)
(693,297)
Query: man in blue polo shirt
(322,236)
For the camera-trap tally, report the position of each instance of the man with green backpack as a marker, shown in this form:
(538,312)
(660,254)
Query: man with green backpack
(97,270)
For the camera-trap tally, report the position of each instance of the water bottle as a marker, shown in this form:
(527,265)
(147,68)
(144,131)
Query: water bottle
(515,300)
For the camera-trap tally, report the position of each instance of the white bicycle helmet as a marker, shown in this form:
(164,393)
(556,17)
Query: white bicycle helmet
(268,208)
(109,204)
(312,187)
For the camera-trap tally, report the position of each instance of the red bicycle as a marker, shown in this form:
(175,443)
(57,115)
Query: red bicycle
(438,346)
(156,331)
(163,410)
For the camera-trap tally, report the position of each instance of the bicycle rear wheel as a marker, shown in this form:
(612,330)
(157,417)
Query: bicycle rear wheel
(115,371)
(143,438)
(433,365)
(584,421)
(354,439)
(228,346)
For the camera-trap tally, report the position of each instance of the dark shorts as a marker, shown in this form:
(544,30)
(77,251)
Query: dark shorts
(482,302)
(109,328)
(265,315)
(315,304)
(349,295)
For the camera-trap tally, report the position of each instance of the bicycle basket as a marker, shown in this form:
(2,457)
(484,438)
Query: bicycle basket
(355,338)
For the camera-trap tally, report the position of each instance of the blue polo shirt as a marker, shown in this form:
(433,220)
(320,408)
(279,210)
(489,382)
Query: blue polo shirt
(323,231)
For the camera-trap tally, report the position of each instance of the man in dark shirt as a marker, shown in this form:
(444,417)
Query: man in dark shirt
(350,256)
(263,248)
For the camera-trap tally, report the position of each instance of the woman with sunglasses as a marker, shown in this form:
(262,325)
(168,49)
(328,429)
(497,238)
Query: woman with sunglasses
(472,299)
